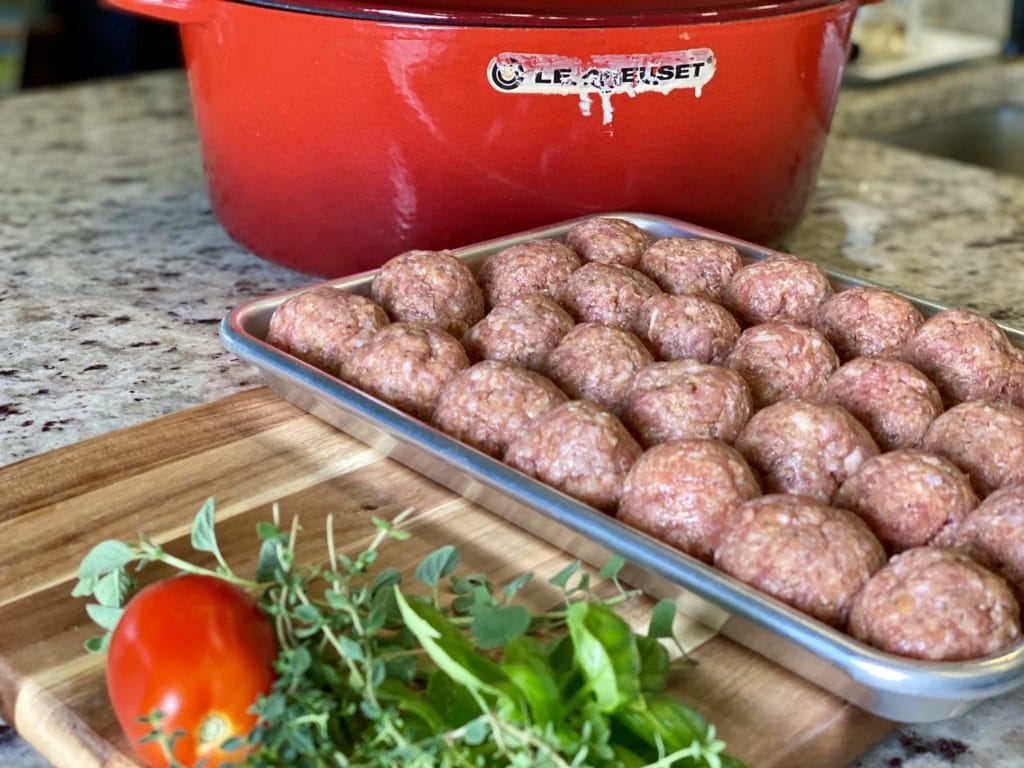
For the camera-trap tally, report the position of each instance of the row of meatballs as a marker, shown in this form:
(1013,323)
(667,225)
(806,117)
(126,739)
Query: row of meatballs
(695,352)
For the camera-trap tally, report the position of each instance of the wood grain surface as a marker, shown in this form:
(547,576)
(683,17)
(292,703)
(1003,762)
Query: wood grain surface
(249,451)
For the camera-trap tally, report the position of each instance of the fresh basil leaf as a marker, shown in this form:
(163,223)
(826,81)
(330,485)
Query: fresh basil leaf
(525,665)
(439,563)
(448,648)
(654,664)
(606,653)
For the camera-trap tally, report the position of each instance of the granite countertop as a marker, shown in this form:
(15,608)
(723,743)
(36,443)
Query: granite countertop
(116,275)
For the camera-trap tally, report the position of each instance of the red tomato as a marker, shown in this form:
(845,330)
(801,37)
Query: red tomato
(199,650)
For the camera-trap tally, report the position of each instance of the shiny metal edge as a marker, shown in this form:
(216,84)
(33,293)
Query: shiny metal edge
(889,686)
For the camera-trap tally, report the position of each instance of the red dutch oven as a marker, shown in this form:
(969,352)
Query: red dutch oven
(338,133)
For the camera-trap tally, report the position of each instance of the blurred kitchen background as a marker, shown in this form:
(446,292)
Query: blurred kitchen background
(46,42)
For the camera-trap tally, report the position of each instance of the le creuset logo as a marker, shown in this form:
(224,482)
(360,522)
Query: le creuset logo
(602,76)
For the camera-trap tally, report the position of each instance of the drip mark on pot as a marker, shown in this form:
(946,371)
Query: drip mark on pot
(602,75)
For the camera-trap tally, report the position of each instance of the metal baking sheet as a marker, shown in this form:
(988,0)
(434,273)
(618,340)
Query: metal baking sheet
(892,687)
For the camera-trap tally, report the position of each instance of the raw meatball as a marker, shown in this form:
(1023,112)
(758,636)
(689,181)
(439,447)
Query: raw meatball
(894,400)
(491,403)
(967,356)
(687,327)
(607,293)
(580,448)
(935,604)
(536,266)
(782,288)
(407,364)
(908,497)
(783,360)
(429,287)
(523,331)
(612,241)
(686,399)
(597,362)
(324,326)
(993,535)
(685,494)
(984,439)
(810,556)
(867,322)
(805,448)
(691,265)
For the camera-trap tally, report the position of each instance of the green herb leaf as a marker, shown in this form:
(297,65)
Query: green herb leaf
(105,557)
(493,626)
(447,647)
(662,619)
(204,539)
(654,664)
(112,589)
(606,653)
(106,616)
(515,585)
(268,564)
(438,564)
(611,567)
(561,579)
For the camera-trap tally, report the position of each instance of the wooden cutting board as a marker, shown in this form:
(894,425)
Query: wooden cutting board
(249,451)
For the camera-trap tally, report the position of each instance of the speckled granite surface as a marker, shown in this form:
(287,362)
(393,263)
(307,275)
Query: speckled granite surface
(115,275)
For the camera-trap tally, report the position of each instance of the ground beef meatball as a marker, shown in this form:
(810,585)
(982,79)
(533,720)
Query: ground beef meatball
(429,287)
(536,266)
(491,403)
(597,362)
(805,448)
(993,535)
(691,265)
(685,493)
(936,604)
(687,327)
(324,326)
(984,439)
(783,360)
(686,399)
(407,365)
(1013,391)
(580,448)
(908,497)
(782,288)
(967,356)
(523,331)
(610,294)
(810,556)
(867,322)
(894,400)
(612,241)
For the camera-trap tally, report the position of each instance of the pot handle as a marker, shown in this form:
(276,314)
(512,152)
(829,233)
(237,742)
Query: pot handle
(178,11)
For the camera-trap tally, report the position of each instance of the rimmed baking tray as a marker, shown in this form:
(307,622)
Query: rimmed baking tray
(892,687)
